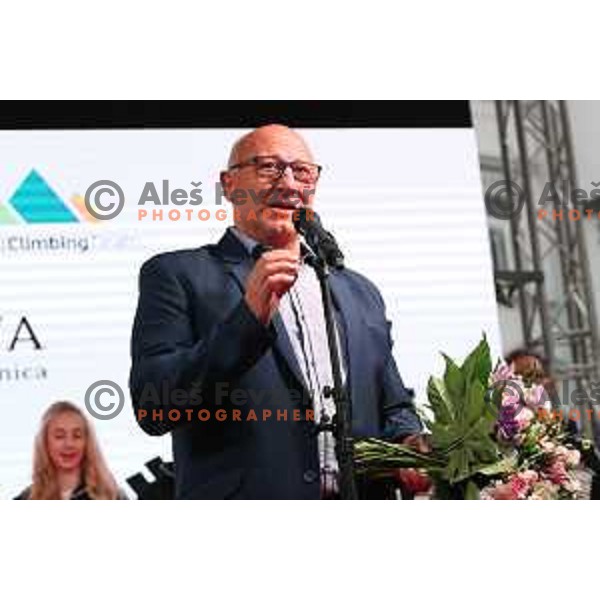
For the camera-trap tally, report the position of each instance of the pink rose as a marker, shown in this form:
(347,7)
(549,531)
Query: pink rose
(556,472)
(529,476)
(502,373)
(503,491)
(510,397)
(521,483)
(536,397)
(524,417)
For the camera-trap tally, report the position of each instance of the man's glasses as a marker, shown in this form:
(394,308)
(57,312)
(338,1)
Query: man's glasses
(270,168)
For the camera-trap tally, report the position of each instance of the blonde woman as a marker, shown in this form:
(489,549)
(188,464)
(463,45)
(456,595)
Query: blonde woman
(67,462)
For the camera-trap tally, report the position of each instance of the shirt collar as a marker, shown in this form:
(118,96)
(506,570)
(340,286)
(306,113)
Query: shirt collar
(250,243)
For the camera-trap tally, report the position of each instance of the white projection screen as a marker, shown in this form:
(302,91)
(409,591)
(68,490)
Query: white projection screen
(404,202)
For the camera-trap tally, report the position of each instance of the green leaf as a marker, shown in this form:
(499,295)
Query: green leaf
(454,383)
(478,365)
(461,423)
(475,402)
(504,465)
(471,491)
(440,404)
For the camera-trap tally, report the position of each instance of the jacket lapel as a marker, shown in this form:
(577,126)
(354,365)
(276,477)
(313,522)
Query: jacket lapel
(286,351)
(348,320)
(239,264)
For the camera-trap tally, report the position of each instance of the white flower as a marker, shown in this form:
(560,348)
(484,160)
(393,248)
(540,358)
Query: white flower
(536,397)
(573,458)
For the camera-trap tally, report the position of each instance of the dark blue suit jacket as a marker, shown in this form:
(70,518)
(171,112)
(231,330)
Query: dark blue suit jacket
(194,333)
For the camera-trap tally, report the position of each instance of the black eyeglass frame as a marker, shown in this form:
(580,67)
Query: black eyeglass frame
(282,165)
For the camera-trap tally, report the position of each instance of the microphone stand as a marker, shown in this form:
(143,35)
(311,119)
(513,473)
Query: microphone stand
(342,424)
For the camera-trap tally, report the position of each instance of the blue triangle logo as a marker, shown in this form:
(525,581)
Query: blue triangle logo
(37,202)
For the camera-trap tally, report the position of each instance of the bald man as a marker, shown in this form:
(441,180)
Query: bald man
(229,350)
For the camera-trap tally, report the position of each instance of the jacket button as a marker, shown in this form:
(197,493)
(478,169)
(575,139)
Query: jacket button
(310,476)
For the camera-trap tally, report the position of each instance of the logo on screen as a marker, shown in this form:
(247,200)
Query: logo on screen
(35,202)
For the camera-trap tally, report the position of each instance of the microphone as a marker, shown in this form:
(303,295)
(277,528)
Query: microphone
(319,240)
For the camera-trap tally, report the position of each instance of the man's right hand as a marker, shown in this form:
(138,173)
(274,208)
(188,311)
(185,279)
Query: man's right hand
(272,276)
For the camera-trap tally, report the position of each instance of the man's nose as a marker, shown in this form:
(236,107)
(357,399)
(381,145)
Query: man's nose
(287,179)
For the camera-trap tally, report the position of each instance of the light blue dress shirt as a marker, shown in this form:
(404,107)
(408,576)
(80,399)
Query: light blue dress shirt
(301,310)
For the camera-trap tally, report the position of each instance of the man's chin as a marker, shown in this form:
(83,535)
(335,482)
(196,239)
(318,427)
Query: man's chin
(280,234)
(276,233)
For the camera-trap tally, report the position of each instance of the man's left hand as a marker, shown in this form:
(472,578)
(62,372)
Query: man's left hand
(418,442)
(413,480)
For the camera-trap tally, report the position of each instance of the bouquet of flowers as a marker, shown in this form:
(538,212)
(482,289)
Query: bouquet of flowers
(544,464)
(492,437)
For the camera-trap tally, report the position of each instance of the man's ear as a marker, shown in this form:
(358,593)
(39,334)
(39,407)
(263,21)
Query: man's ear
(225,178)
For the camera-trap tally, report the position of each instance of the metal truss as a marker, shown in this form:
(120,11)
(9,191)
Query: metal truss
(550,270)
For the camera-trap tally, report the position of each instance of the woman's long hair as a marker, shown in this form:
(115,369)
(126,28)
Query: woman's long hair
(96,478)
